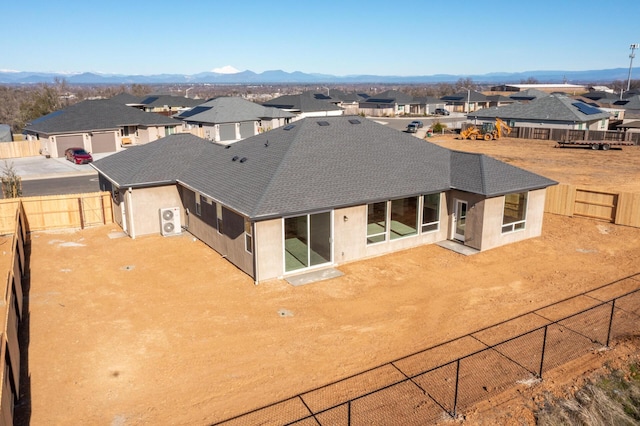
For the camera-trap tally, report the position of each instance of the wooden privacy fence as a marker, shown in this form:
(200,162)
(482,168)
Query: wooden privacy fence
(58,211)
(546,133)
(621,208)
(12,312)
(19,149)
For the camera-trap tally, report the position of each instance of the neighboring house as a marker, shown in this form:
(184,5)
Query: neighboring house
(553,111)
(166,104)
(98,126)
(320,192)
(466,101)
(229,119)
(305,105)
(499,100)
(426,105)
(391,103)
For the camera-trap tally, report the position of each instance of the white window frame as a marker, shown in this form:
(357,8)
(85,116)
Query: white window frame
(519,225)
(437,222)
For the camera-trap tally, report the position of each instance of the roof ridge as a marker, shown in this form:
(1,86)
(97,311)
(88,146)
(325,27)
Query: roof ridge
(278,169)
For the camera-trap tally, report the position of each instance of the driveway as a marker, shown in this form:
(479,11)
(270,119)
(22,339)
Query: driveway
(32,168)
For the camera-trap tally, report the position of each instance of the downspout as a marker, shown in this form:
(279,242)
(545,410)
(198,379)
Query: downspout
(132,234)
(255,253)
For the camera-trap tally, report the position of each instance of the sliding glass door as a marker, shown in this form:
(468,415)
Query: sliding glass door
(307,241)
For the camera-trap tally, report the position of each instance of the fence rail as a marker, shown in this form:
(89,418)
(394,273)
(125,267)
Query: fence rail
(621,208)
(443,380)
(58,211)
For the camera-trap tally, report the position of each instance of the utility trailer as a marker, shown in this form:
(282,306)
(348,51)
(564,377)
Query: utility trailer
(595,145)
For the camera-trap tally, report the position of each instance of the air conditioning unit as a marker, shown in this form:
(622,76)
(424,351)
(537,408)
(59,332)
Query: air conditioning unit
(170,221)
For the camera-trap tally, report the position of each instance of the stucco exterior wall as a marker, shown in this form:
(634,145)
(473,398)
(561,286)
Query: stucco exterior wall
(144,207)
(494,208)
(268,237)
(475,217)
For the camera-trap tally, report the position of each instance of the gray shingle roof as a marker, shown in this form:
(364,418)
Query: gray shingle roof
(548,108)
(231,109)
(93,115)
(301,103)
(168,100)
(314,164)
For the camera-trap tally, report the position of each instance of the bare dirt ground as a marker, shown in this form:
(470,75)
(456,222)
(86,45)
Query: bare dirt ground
(163,331)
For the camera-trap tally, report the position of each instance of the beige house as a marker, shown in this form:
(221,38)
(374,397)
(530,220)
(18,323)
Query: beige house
(320,192)
(98,126)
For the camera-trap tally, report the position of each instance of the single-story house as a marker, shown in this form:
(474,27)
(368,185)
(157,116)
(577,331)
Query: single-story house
(320,192)
(98,126)
(392,103)
(553,111)
(466,101)
(229,119)
(305,105)
(528,95)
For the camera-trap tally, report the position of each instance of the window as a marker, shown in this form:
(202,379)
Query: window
(198,205)
(248,236)
(169,131)
(376,222)
(219,218)
(515,209)
(430,212)
(404,217)
(125,131)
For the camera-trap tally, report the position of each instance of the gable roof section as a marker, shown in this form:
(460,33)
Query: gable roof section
(548,108)
(94,115)
(471,96)
(231,109)
(528,95)
(394,95)
(311,165)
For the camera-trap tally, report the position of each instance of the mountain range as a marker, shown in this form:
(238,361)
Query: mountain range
(297,77)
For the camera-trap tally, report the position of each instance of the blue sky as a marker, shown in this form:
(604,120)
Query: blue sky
(330,37)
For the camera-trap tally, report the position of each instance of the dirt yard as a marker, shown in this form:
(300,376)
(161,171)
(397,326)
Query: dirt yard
(164,331)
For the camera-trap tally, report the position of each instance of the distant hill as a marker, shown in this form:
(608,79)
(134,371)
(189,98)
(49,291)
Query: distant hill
(282,77)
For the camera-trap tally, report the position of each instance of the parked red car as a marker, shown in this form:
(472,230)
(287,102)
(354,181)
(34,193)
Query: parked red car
(78,156)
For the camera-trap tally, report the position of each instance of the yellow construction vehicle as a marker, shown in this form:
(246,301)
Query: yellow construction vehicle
(487,131)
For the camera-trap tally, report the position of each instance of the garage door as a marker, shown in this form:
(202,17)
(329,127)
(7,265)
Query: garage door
(103,142)
(247,129)
(227,132)
(64,142)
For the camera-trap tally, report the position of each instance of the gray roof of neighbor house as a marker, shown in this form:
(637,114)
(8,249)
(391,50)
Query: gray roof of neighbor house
(548,108)
(395,95)
(311,165)
(464,96)
(632,102)
(126,99)
(301,103)
(231,109)
(528,95)
(94,115)
(168,100)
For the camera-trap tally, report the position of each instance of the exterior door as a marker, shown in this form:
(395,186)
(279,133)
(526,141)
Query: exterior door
(459,219)
(307,241)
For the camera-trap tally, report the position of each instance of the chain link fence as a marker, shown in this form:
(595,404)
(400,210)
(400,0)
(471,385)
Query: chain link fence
(439,382)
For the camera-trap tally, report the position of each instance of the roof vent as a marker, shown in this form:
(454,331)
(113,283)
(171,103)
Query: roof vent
(354,121)
(323,123)
(243,159)
(227,147)
(289,127)
(235,158)
(266,143)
